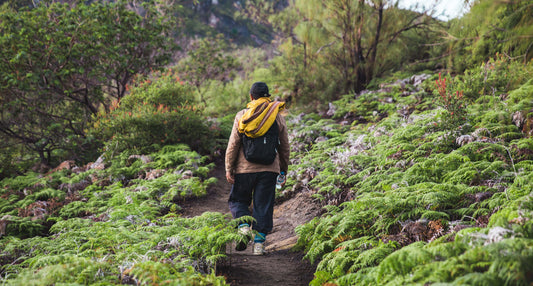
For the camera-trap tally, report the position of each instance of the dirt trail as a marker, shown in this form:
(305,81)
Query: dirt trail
(280,265)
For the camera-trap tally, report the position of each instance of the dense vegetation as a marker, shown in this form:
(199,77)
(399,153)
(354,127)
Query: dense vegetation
(414,134)
(60,65)
(113,222)
(432,187)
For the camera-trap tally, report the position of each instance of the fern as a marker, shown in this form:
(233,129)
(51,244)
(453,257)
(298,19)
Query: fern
(20,182)
(410,170)
(402,262)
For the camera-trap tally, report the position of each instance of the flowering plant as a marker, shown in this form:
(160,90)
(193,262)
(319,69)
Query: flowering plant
(452,101)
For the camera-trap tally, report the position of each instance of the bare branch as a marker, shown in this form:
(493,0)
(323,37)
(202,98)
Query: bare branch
(324,46)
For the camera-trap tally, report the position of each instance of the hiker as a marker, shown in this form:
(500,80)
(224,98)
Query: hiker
(252,181)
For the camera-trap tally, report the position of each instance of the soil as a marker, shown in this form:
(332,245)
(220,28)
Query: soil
(280,265)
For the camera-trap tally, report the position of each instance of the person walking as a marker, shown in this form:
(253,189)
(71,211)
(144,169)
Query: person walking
(254,180)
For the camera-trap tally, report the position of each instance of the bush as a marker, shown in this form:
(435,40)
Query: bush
(163,88)
(11,160)
(496,76)
(453,102)
(224,98)
(155,113)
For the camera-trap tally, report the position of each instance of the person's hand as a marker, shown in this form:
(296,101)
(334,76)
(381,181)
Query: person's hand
(230,178)
(284,179)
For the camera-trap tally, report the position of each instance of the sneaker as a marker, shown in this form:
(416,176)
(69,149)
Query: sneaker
(259,248)
(246,235)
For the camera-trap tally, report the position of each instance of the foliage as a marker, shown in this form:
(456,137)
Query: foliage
(494,77)
(260,10)
(224,98)
(412,194)
(11,164)
(207,60)
(158,111)
(491,27)
(11,4)
(453,103)
(406,202)
(338,47)
(160,87)
(200,18)
(117,225)
(86,252)
(62,63)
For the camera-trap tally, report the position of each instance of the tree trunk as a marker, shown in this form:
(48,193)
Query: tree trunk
(305,56)
(369,73)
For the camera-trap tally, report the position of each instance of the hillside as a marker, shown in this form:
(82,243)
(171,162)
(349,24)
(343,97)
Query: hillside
(199,18)
(411,142)
(406,200)
(409,201)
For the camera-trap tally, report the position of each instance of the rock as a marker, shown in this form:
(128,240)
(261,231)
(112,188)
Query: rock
(321,139)
(145,159)
(405,111)
(481,132)
(74,187)
(285,244)
(98,165)
(479,197)
(345,123)
(213,20)
(464,139)
(518,119)
(37,210)
(406,93)
(497,234)
(187,174)
(40,168)
(332,109)
(417,80)
(4,221)
(68,165)
(65,165)
(94,178)
(402,83)
(154,174)
(78,170)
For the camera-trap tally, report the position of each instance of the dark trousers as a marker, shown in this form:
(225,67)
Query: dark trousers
(261,187)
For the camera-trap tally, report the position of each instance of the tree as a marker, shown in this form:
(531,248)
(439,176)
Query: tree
(260,11)
(61,63)
(355,40)
(207,60)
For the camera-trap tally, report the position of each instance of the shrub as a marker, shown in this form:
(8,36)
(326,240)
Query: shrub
(224,98)
(155,113)
(452,101)
(161,88)
(496,76)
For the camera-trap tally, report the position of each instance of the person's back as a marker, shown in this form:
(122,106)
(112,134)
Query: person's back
(254,181)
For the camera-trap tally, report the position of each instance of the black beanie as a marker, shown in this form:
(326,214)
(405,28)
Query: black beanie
(259,89)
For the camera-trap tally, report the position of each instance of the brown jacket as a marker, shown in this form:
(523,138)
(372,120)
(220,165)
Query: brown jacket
(237,164)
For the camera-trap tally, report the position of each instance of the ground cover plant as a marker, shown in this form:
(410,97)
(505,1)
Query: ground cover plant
(422,182)
(115,221)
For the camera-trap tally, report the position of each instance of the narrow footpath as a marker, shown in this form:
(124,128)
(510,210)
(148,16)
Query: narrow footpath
(280,265)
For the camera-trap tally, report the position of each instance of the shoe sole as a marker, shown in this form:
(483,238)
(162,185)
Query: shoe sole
(258,253)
